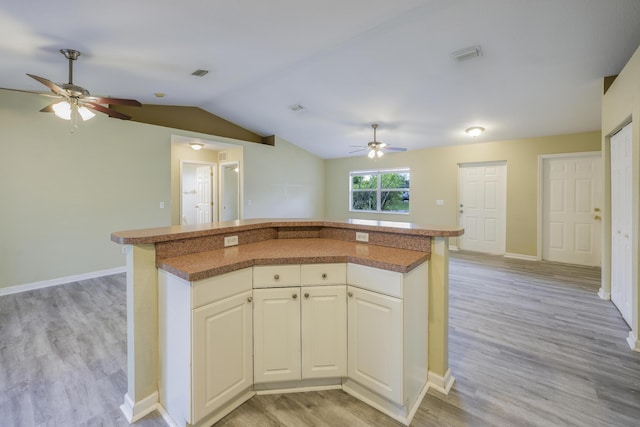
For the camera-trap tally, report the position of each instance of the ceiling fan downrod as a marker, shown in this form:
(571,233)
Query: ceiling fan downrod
(71,55)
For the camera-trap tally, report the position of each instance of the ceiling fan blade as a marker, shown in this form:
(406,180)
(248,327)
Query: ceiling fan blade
(47,94)
(105,110)
(48,83)
(48,108)
(357,146)
(114,101)
(387,148)
(357,151)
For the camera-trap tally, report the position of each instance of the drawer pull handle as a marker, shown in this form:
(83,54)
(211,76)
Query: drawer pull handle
(294,296)
(276,277)
(306,295)
(324,276)
(350,294)
(249,299)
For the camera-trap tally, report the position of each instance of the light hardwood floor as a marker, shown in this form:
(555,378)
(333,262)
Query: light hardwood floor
(530,344)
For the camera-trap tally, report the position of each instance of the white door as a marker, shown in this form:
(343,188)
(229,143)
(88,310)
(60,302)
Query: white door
(276,334)
(482,207)
(571,202)
(204,202)
(375,342)
(221,371)
(324,331)
(621,213)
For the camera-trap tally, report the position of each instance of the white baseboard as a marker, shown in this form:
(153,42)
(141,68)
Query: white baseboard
(135,411)
(60,281)
(633,342)
(453,248)
(440,383)
(604,294)
(521,256)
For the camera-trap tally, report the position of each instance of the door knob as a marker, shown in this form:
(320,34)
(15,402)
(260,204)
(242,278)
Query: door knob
(596,209)
(461,211)
(597,218)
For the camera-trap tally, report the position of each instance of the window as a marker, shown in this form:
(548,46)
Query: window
(384,191)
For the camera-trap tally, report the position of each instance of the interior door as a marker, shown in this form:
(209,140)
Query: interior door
(483,188)
(621,214)
(571,202)
(204,199)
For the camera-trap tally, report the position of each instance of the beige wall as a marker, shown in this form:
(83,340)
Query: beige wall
(620,105)
(63,194)
(434,175)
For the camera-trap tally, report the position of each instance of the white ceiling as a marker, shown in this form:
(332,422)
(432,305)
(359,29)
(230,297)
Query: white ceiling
(349,63)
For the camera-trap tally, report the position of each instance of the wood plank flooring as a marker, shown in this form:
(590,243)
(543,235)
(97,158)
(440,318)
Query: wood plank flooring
(531,344)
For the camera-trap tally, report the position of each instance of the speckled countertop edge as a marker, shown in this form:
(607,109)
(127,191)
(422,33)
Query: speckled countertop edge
(297,251)
(177,232)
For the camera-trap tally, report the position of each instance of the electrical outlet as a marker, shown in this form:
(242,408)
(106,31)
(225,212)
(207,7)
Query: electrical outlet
(230,241)
(161,205)
(439,202)
(362,237)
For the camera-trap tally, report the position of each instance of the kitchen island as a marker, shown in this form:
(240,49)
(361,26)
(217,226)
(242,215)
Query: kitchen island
(174,272)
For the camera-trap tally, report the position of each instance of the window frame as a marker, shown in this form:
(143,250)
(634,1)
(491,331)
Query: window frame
(379,190)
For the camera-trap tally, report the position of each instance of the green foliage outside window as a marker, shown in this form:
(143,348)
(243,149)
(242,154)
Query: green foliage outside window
(380,191)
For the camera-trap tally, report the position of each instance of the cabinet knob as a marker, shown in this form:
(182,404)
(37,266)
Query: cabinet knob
(249,299)
(350,294)
(276,277)
(324,275)
(306,295)
(294,296)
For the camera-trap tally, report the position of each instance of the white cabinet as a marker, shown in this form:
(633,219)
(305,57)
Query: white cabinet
(375,342)
(387,338)
(276,336)
(205,342)
(222,350)
(300,332)
(324,331)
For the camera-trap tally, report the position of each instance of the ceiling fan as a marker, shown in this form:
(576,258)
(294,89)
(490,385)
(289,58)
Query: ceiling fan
(376,148)
(75,102)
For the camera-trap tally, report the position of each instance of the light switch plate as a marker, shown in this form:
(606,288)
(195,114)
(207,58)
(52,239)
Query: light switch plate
(439,202)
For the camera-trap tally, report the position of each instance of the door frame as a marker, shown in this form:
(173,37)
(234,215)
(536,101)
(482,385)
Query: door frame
(541,159)
(504,202)
(221,184)
(214,179)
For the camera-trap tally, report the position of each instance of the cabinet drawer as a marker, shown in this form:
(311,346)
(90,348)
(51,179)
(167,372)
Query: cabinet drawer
(219,287)
(323,274)
(375,279)
(275,276)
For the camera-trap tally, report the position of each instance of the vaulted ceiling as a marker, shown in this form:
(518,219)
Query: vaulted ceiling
(348,63)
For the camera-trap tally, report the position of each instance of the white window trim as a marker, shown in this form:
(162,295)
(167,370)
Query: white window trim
(378,190)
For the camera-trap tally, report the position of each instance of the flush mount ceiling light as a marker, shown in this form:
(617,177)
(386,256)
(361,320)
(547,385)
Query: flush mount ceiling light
(474,131)
(196,145)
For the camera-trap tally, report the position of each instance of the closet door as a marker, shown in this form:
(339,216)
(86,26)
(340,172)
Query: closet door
(621,221)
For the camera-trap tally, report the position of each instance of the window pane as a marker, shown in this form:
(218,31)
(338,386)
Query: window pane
(395,180)
(359,182)
(394,201)
(364,201)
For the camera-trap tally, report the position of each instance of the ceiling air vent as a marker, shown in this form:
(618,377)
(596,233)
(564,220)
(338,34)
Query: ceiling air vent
(199,73)
(222,156)
(467,53)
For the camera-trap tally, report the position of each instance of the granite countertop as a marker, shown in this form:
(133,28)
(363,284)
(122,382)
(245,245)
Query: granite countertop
(176,232)
(201,265)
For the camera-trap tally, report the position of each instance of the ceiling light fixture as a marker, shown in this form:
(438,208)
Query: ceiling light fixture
(71,111)
(196,146)
(474,131)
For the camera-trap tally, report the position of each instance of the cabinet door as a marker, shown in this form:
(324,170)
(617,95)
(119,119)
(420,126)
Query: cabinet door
(276,334)
(222,349)
(375,342)
(324,331)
